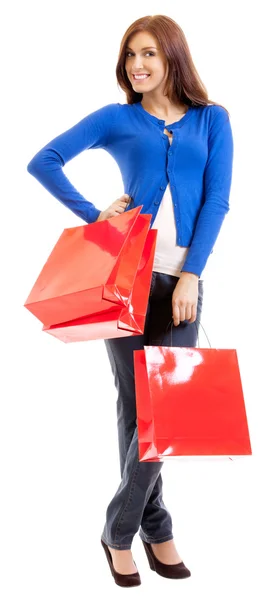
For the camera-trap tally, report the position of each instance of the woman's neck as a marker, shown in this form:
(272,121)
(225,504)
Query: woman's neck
(164,109)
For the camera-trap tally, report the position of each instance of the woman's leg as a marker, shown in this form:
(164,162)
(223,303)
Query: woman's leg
(138,500)
(184,335)
(124,513)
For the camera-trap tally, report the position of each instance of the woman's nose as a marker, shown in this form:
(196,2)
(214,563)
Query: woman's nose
(137,62)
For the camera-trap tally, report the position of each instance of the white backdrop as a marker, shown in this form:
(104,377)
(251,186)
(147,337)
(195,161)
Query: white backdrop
(59,452)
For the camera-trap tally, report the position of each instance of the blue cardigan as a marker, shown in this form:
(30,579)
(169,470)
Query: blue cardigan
(198,166)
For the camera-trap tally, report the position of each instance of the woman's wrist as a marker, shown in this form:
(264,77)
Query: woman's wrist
(189,275)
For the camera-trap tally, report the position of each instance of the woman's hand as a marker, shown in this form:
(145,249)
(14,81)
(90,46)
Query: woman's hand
(185,298)
(116,208)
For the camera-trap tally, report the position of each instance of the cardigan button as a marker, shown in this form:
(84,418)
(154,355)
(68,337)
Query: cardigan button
(156,203)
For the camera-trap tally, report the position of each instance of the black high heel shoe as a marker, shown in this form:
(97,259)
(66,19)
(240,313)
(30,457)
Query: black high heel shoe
(179,571)
(123,580)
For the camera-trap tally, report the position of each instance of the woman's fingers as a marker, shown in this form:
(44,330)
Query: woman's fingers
(124,199)
(184,313)
(193,314)
(176,315)
(188,311)
(120,205)
(185,298)
(116,208)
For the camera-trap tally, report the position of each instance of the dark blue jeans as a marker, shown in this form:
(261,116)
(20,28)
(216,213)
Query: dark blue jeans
(138,503)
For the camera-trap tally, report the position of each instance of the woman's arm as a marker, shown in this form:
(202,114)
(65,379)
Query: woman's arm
(46,166)
(217,184)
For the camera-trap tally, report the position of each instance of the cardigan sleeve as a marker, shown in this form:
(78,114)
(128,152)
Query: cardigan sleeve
(217,185)
(46,166)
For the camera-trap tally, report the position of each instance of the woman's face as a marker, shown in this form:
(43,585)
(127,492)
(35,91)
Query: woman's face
(144,57)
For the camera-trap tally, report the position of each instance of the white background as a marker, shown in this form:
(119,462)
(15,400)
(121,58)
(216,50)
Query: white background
(59,453)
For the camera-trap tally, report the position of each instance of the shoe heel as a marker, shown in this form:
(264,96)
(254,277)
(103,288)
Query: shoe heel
(122,580)
(176,571)
(150,559)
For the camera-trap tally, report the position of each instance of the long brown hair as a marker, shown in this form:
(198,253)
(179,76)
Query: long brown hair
(183,83)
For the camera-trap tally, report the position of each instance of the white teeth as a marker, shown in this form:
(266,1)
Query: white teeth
(140,76)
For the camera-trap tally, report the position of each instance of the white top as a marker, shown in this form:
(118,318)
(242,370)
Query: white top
(169,258)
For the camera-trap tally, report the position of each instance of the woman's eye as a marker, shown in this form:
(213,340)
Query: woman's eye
(130,53)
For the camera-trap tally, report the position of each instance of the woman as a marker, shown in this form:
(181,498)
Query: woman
(174,149)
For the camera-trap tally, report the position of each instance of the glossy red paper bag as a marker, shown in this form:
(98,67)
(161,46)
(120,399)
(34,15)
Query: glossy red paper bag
(117,322)
(189,403)
(91,269)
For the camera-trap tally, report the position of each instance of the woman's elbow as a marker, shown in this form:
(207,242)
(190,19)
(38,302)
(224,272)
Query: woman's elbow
(46,159)
(33,165)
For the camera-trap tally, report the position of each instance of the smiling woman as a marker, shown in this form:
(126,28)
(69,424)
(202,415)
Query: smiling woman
(147,70)
(160,45)
(186,191)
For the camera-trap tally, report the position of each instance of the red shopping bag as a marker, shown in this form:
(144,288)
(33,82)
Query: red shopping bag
(91,272)
(117,322)
(189,403)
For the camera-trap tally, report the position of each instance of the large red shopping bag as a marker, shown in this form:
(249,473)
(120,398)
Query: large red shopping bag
(117,322)
(91,271)
(189,403)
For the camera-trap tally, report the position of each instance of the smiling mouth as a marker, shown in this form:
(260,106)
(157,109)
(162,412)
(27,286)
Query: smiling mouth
(140,77)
